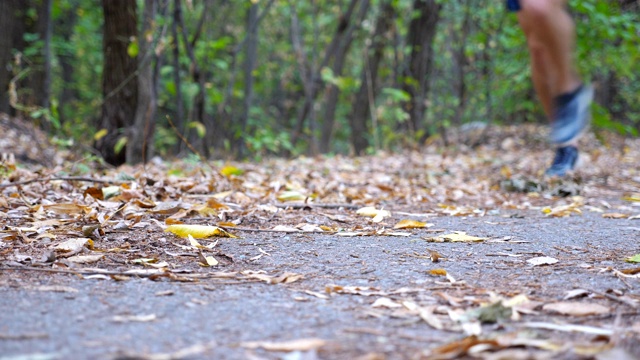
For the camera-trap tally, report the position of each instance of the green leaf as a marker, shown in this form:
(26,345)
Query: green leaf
(133,49)
(200,128)
(120,144)
(633,259)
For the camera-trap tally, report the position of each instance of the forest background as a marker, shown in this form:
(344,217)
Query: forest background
(227,78)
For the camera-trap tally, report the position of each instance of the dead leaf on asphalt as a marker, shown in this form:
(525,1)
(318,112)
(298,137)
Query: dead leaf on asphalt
(134,318)
(576,308)
(615,216)
(411,224)
(542,260)
(286,346)
(457,236)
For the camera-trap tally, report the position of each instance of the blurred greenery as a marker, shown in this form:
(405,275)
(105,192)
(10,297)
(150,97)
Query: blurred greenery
(480,73)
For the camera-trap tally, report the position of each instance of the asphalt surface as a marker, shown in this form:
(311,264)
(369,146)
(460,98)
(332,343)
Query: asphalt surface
(58,316)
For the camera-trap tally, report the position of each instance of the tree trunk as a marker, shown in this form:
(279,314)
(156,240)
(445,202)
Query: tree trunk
(422,30)
(249,65)
(12,13)
(65,27)
(119,80)
(39,81)
(140,135)
(363,102)
(333,91)
(179,121)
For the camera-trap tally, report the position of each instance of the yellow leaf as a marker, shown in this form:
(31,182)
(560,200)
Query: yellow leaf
(291,196)
(231,171)
(198,231)
(438,272)
(411,224)
(100,134)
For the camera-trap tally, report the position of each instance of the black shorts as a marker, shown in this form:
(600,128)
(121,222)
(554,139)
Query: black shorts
(513,5)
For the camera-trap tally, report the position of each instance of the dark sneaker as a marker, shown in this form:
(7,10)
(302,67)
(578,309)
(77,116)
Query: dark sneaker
(564,162)
(572,115)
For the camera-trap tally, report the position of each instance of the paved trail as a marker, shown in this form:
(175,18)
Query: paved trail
(53,316)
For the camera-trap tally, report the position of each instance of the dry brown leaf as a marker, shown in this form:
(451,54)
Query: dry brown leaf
(615,216)
(85,259)
(577,308)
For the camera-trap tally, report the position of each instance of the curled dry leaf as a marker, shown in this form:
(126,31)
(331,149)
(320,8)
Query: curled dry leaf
(73,246)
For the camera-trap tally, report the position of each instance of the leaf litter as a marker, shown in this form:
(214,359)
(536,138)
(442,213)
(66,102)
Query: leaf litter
(170,221)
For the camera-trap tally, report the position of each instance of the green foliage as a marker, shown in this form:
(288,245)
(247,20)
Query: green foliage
(481,72)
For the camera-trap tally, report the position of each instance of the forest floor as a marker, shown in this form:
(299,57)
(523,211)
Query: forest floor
(441,253)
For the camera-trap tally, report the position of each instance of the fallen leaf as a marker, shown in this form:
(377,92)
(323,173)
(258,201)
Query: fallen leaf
(386,303)
(85,259)
(633,259)
(411,224)
(456,236)
(577,308)
(286,346)
(73,246)
(229,171)
(370,211)
(542,260)
(438,272)
(576,293)
(291,196)
(615,216)
(198,231)
(569,328)
(56,288)
(134,318)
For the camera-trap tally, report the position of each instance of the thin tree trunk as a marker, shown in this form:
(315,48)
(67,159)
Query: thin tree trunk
(422,30)
(39,82)
(119,83)
(310,74)
(140,135)
(359,118)
(198,111)
(64,27)
(333,92)
(12,14)
(179,122)
(249,65)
